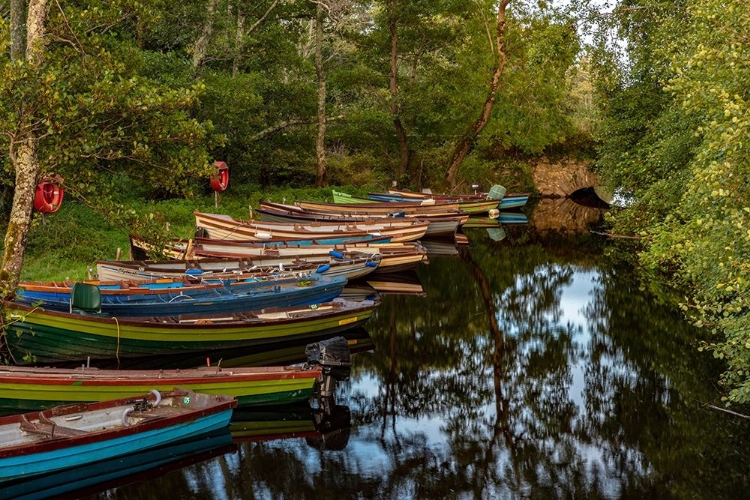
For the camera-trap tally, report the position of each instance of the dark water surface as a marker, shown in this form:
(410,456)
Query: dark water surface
(534,367)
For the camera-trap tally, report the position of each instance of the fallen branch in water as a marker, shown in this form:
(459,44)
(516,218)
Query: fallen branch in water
(726,411)
(612,235)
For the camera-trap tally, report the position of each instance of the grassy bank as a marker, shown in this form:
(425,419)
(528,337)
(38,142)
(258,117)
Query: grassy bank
(67,244)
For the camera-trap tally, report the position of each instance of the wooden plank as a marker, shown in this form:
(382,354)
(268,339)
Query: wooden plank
(48,428)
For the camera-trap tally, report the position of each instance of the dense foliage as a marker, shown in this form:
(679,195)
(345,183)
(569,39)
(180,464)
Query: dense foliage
(674,137)
(153,90)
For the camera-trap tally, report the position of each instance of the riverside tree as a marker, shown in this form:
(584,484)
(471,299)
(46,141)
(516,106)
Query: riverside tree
(76,105)
(675,139)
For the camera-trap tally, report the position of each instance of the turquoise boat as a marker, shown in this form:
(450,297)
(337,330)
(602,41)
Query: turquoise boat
(513,200)
(467,202)
(94,478)
(36,335)
(38,444)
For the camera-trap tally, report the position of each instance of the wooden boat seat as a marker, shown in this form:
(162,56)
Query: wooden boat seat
(48,428)
(157,413)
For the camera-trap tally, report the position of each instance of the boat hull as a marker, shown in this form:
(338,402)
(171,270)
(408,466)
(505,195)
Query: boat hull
(94,478)
(99,433)
(48,336)
(222,227)
(247,297)
(28,389)
(444,225)
(478,206)
(44,463)
(228,269)
(513,201)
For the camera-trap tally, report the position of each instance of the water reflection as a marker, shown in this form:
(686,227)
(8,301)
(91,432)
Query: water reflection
(547,372)
(564,214)
(533,368)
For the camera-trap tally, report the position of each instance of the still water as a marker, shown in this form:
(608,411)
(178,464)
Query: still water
(533,367)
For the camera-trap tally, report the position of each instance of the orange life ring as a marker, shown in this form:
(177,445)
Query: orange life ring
(48,197)
(220,180)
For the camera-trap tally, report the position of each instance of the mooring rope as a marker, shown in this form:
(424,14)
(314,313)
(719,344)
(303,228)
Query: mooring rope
(117,351)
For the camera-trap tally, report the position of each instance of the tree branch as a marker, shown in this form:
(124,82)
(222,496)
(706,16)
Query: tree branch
(708,405)
(262,18)
(275,129)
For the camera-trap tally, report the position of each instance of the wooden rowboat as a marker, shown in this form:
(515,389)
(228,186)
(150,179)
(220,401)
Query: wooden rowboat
(383,208)
(469,204)
(341,197)
(440,223)
(117,291)
(36,335)
(233,269)
(35,444)
(27,388)
(218,226)
(508,200)
(247,295)
(89,480)
(392,257)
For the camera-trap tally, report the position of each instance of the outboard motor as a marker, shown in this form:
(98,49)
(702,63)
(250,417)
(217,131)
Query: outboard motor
(334,356)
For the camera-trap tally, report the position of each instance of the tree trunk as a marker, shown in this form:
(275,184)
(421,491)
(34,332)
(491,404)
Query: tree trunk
(17,29)
(238,37)
(27,170)
(400,131)
(320,151)
(23,154)
(201,45)
(37,16)
(140,32)
(466,143)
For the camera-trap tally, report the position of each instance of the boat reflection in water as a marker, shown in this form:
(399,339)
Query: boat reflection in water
(403,283)
(324,427)
(281,354)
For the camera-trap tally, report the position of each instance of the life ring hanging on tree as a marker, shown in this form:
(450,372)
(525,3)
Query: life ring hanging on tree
(220,180)
(49,195)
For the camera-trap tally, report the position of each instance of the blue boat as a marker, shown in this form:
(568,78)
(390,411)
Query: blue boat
(507,200)
(513,200)
(35,444)
(241,296)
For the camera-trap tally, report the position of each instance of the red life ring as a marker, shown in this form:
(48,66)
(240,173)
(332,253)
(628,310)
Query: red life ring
(220,180)
(48,197)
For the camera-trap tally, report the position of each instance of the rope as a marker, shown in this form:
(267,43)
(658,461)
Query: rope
(117,351)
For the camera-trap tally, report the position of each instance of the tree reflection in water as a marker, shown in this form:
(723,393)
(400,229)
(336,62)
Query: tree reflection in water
(534,368)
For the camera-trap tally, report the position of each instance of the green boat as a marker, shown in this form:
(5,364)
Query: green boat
(35,335)
(24,389)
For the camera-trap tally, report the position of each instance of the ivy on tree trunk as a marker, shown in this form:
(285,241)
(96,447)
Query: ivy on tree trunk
(320,151)
(23,154)
(395,108)
(466,143)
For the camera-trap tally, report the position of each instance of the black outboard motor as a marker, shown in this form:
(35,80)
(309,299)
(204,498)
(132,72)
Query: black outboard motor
(334,356)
